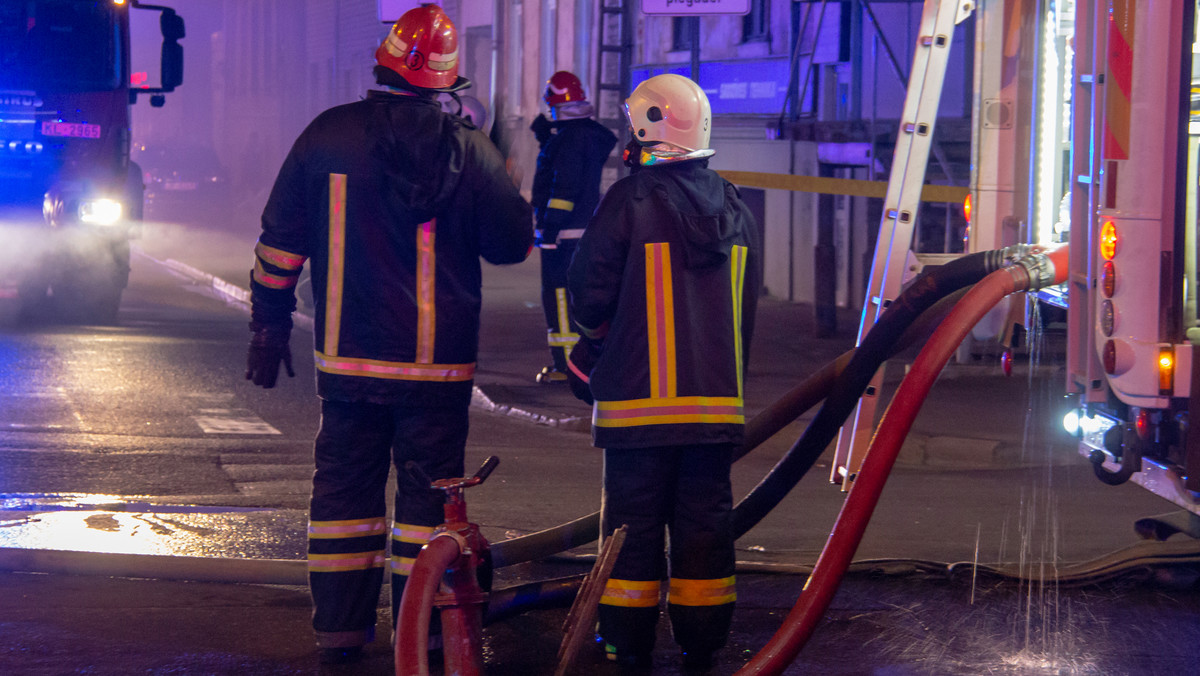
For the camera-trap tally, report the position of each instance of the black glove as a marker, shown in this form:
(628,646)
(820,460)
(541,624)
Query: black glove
(583,359)
(541,128)
(268,346)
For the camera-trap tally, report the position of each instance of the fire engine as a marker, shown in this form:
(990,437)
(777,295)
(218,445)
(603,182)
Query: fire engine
(1130,187)
(1086,132)
(70,198)
(1100,149)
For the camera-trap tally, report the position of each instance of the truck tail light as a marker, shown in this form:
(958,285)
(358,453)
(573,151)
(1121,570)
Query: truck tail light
(1166,371)
(1109,357)
(1141,423)
(1108,318)
(1108,240)
(1108,279)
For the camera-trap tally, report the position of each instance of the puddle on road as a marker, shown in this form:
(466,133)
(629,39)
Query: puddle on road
(107,523)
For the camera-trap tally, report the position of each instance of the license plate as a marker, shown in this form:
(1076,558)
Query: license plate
(71,129)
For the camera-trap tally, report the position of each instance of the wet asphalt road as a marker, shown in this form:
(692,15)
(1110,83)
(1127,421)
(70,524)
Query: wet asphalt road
(154,412)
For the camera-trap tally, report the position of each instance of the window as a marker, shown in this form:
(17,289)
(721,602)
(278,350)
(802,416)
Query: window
(684,31)
(756,25)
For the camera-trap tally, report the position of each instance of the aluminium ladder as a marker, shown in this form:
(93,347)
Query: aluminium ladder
(894,261)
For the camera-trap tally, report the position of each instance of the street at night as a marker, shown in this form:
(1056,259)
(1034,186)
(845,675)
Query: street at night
(936,261)
(143,438)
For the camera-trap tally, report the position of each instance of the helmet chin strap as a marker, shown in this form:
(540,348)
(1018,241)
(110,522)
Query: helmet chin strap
(664,153)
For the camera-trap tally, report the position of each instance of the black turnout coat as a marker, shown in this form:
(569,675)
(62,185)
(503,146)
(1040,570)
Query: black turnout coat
(667,278)
(393,202)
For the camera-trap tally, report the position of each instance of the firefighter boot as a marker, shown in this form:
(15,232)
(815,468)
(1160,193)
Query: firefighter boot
(550,375)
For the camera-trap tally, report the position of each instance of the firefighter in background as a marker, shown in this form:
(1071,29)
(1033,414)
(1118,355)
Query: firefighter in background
(566,190)
(664,288)
(393,202)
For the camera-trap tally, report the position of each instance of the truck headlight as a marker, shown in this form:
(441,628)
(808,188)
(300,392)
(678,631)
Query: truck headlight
(100,211)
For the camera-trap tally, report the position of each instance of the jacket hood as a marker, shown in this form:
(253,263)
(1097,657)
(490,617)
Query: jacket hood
(421,149)
(599,136)
(704,214)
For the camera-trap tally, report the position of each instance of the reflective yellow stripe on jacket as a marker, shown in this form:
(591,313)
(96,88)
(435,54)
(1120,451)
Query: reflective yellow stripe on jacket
(561,204)
(664,406)
(288,265)
(422,367)
(737,282)
(660,320)
(668,410)
(337,262)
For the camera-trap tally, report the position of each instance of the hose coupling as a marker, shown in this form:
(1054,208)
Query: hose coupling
(464,547)
(1013,253)
(1040,269)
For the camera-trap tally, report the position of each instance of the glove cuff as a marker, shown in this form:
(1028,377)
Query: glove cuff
(270,333)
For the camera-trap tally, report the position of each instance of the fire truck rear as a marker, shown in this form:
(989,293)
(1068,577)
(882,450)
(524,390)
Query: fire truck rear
(1132,312)
(70,198)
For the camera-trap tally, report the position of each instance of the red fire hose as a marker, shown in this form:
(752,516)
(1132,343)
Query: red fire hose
(860,503)
(412,640)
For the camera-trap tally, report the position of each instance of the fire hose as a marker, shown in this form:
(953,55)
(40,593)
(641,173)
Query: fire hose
(925,293)
(1032,272)
(841,382)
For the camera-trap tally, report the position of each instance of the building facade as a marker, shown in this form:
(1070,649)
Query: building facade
(803,88)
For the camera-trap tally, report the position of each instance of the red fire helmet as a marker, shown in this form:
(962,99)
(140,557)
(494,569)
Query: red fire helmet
(563,87)
(422,48)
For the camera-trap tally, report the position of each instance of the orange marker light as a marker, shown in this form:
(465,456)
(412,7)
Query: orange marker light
(1108,240)
(1166,371)
(967,208)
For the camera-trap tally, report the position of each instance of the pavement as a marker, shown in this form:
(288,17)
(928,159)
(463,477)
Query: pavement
(902,610)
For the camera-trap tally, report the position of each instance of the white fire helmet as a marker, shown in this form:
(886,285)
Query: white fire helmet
(670,109)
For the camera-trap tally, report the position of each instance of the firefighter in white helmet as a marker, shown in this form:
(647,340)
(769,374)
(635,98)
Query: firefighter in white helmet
(664,287)
(392,202)
(566,190)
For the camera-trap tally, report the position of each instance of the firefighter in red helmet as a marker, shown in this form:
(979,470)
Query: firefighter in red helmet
(566,190)
(392,202)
